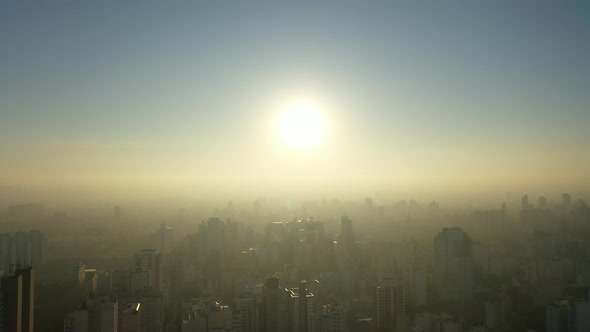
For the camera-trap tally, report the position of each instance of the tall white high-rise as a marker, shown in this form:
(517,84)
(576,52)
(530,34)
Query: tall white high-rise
(453,265)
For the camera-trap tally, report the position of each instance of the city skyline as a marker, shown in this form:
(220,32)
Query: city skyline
(294,166)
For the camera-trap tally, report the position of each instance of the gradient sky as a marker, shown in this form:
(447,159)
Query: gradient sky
(116,92)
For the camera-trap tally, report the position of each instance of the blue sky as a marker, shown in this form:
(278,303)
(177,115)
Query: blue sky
(165,89)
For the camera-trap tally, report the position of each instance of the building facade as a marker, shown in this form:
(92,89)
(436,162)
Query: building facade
(453,265)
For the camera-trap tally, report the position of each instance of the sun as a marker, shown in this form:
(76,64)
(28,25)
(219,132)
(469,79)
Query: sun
(301,125)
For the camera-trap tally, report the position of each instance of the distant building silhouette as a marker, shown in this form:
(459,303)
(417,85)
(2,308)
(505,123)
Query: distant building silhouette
(346,225)
(542,202)
(273,312)
(346,238)
(28,298)
(438,322)
(96,313)
(418,285)
(129,317)
(25,248)
(453,265)
(299,308)
(568,315)
(163,242)
(332,318)
(495,316)
(524,203)
(138,280)
(566,200)
(389,304)
(150,261)
(78,273)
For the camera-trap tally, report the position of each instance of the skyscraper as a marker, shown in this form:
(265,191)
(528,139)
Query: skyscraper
(524,203)
(12,292)
(38,248)
(299,308)
(332,318)
(21,247)
(346,232)
(389,304)
(139,280)
(272,306)
(559,317)
(5,251)
(18,300)
(568,315)
(2,311)
(163,240)
(28,298)
(18,293)
(96,314)
(418,283)
(453,265)
(149,260)
(566,200)
(129,317)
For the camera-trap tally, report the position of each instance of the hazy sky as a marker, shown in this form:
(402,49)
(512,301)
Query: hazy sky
(118,92)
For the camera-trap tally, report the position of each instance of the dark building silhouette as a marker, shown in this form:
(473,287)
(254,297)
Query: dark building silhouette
(273,298)
(28,298)
(346,225)
(12,292)
(524,203)
(566,199)
(453,265)
(18,301)
(542,202)
(38,247)
(389,304)
(299,308)
(2,311)
(346,238)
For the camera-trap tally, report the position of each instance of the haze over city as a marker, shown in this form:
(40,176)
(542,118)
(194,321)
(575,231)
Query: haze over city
(309,166)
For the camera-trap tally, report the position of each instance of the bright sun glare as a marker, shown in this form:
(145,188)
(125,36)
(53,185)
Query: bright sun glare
(301,125)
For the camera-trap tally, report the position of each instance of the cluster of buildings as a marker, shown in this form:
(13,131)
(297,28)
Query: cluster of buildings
(125,300)
(269,308)
(339,274)
(453,283)
(487,271)
(22,249)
